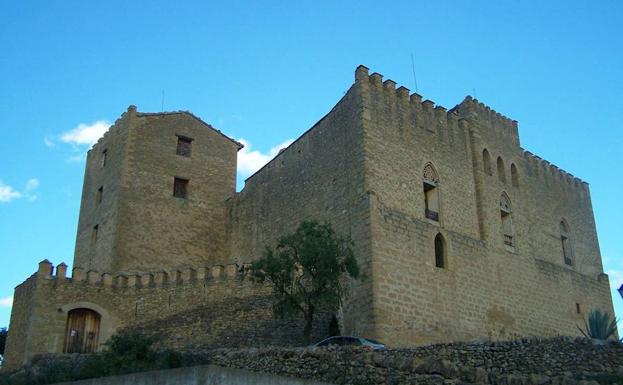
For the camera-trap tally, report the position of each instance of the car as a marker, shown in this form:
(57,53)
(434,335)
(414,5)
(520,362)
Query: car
(351,341)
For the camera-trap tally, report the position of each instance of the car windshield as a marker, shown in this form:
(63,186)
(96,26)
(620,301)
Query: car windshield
(351,341)
(342,341)
(373,341)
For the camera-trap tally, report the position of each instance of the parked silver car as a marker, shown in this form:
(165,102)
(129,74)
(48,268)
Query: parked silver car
(352,341)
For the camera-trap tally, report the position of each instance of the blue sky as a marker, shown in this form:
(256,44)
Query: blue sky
(264,72)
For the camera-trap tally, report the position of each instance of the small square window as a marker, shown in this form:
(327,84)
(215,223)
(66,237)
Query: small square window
(99,195)
(184,145)
(180,188)
(103,158)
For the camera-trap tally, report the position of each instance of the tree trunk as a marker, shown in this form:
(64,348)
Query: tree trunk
(309,320)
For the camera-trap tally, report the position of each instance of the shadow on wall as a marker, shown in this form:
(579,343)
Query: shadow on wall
(234,322)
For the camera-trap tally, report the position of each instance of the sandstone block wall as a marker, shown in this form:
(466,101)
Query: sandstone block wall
(487,289)
(318,177)
(359,168)
(104,168)
(207,307)
(141,225)
(156,229)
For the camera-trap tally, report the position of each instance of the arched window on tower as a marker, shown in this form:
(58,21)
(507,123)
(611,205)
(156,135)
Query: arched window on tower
(440,251)
(501,172)
(431,193)
(514,175)
(508,233)
(486,160)
(565,240)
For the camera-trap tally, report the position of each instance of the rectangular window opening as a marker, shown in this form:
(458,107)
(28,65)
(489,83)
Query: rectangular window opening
(507,227)
(94,234)
(577,308)
(184,146)
(103,158)
(180,188)
(566,250)
(100,194)
(431,202)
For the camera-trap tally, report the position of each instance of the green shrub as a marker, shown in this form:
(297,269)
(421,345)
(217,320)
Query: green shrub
(129,351)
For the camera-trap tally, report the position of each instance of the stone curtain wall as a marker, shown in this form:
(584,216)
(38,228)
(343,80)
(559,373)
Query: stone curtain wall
(21,315)
(486,290)
(318,177)
(209,307)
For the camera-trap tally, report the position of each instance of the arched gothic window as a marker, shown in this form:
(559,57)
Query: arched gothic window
(83,328)
(514,175)
(440,251)
(431,193)
(486,160)
(508,233)
(501,172)
(565,240)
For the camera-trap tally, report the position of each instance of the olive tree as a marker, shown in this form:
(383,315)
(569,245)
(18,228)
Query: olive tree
(308,270)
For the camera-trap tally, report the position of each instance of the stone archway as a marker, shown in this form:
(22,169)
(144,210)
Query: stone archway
(88,326)
(83,331)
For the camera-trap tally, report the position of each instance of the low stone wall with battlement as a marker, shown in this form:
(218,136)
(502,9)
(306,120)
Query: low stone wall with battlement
(211,306)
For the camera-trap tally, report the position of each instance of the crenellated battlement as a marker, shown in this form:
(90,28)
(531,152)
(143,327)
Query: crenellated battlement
(428,109)
(122,280)
(469,108)
(480,110)
(545,168)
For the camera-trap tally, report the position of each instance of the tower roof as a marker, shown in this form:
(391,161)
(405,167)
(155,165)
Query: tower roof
(240,145)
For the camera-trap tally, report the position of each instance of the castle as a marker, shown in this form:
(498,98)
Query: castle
(460,232)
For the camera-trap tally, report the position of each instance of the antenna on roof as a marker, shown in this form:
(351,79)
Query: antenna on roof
(162,102)
(413,69)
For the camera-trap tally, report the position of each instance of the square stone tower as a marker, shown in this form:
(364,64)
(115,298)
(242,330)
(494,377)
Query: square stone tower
(154,194)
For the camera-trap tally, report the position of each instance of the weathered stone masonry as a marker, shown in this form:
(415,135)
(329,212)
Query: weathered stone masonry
(516,251)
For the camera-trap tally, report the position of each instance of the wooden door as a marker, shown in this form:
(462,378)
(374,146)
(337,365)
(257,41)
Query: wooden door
(82,331)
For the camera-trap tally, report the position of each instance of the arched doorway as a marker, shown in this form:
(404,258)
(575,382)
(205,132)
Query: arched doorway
(83,329)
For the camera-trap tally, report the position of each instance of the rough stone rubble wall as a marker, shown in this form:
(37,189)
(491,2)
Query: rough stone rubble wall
(558,361)
(527,361)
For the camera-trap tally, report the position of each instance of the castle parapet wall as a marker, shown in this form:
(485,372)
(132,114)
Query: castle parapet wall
(427,114)
(439,115)
(122,280)
(431,117)
(544,171)
(211,306)
(475,109)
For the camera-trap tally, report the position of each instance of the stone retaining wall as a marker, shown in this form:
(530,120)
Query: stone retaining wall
(521,362)
(557,361)
(197,375)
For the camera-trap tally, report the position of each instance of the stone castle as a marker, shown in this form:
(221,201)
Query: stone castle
(460,232)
